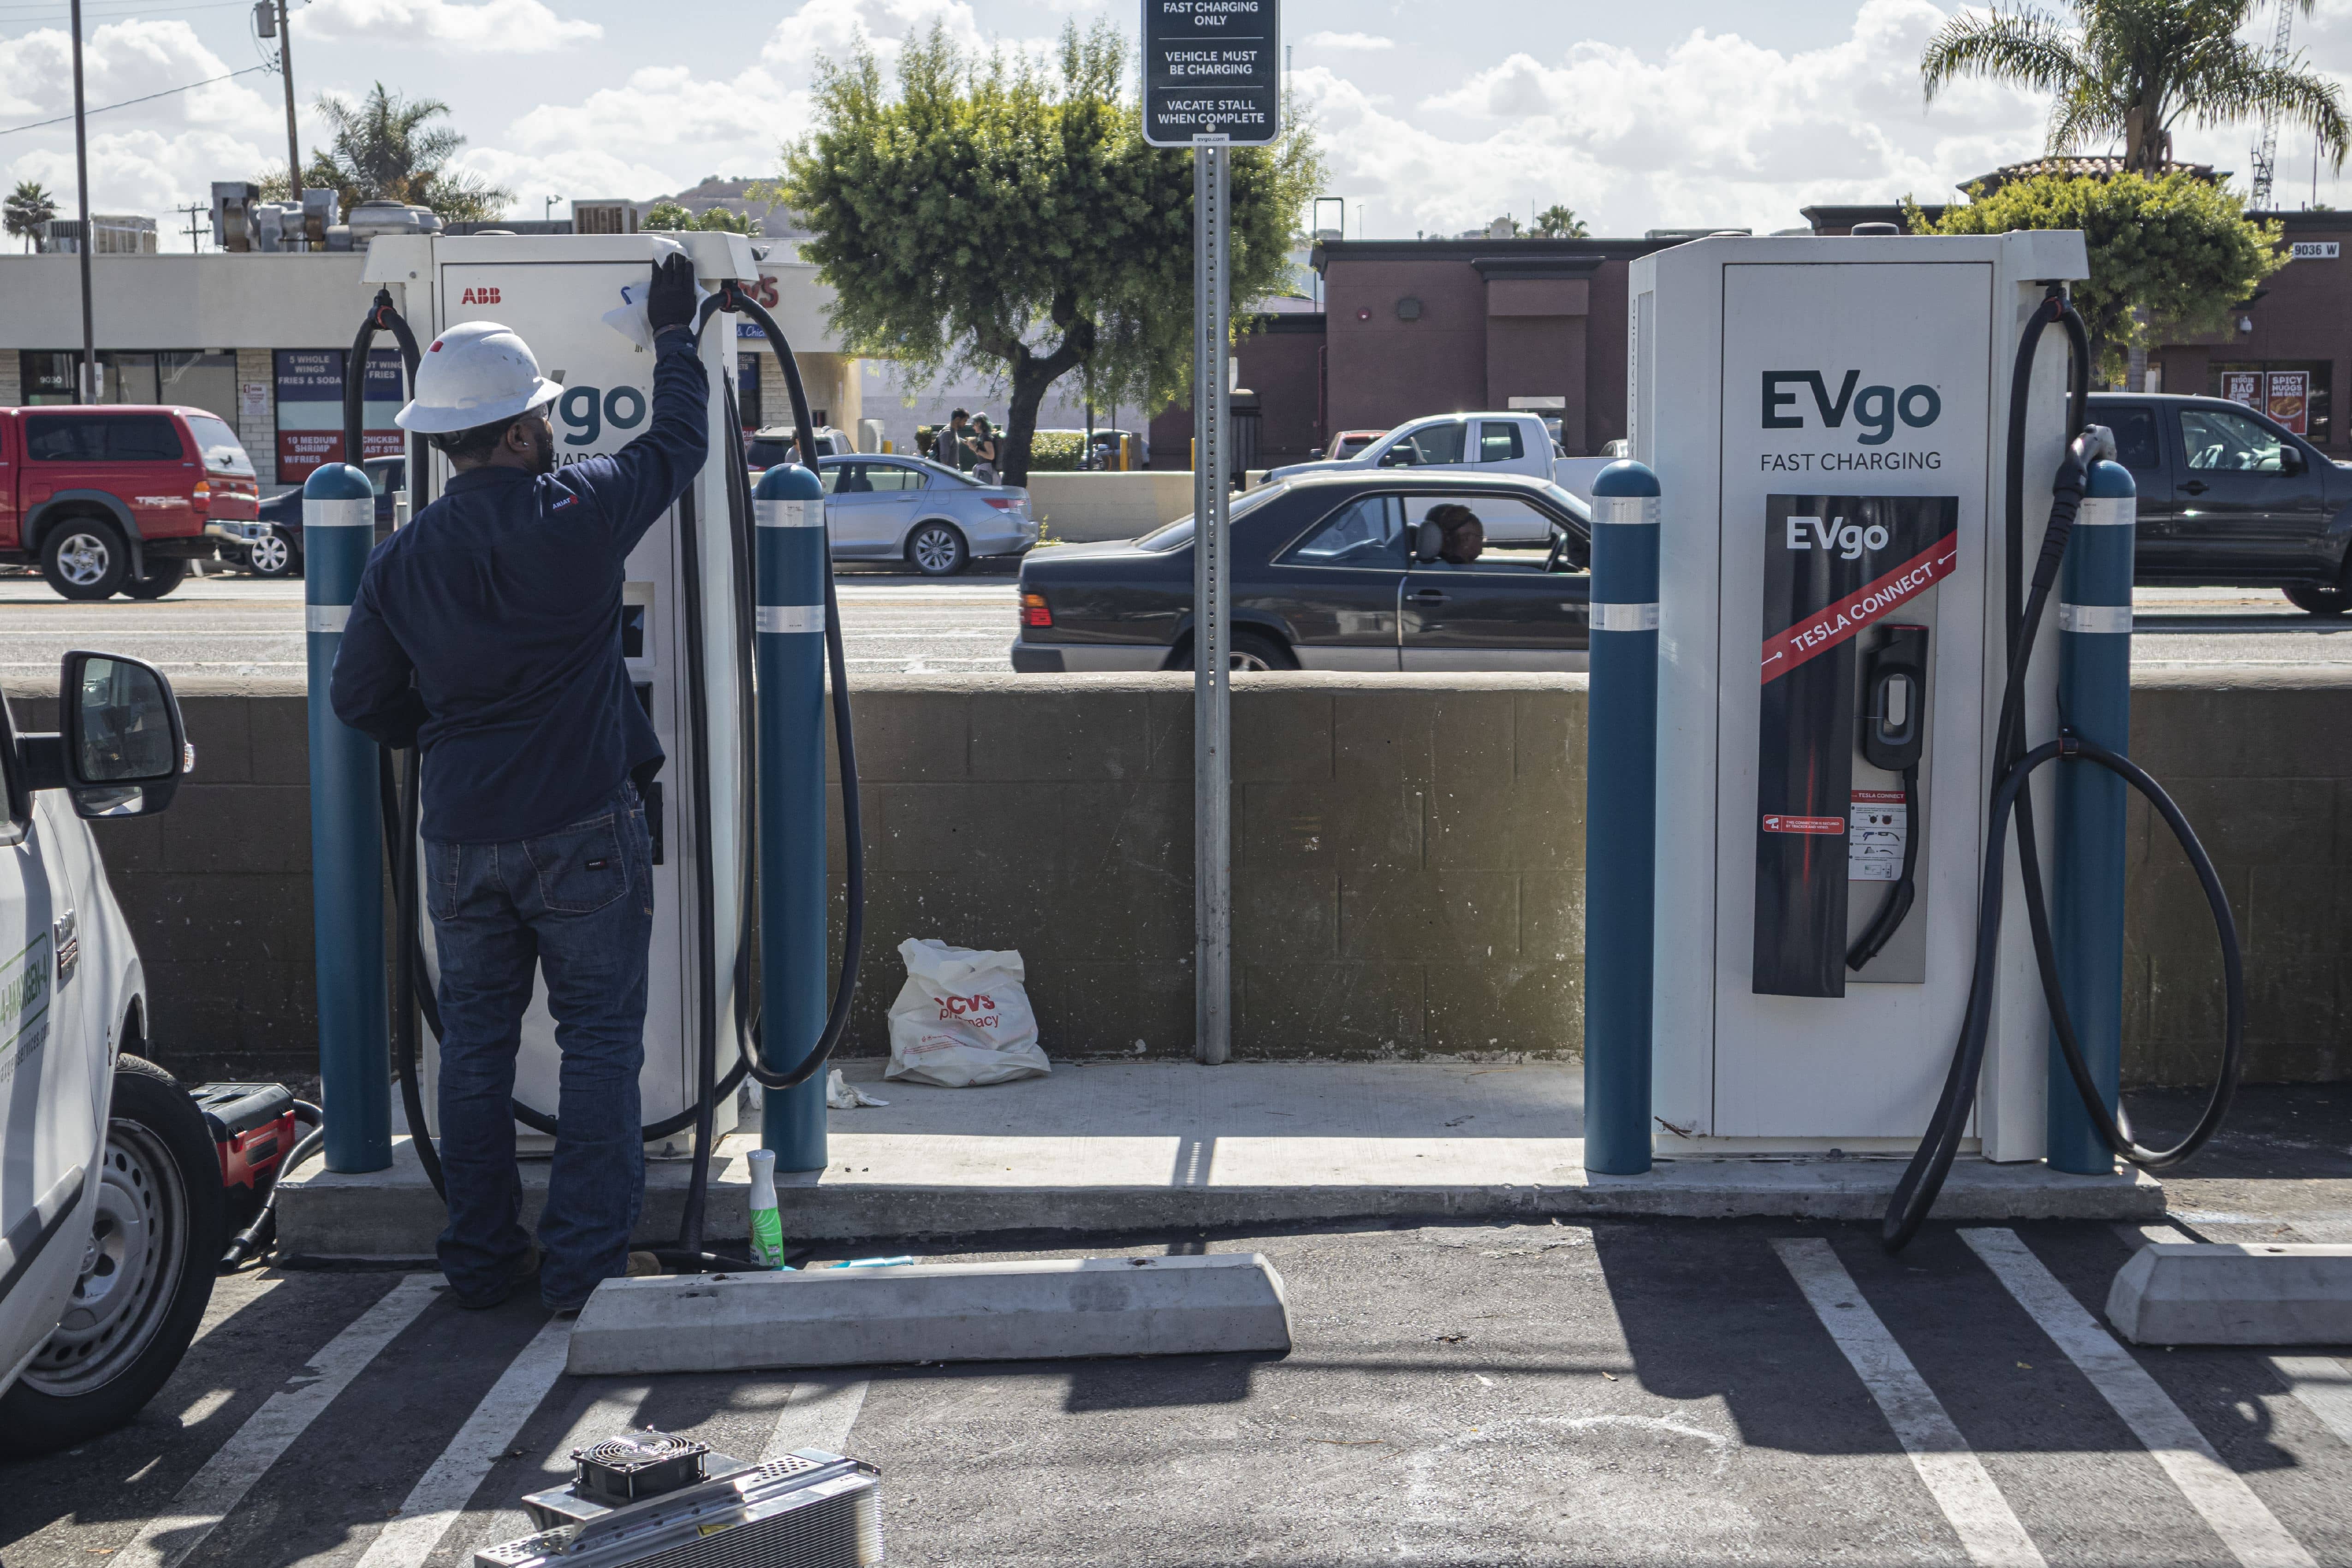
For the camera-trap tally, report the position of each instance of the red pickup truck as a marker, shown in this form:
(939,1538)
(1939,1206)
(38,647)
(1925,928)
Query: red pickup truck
(120,497)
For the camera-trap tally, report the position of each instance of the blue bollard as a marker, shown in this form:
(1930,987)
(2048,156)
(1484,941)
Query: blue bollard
(2095,622)
(1621,807)
(788,508)
(346,836)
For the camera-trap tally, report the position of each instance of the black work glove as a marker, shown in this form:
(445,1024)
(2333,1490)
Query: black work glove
(670,301)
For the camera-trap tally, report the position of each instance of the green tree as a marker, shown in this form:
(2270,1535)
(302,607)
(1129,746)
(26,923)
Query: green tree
(1557,222)
(725,220)
(2178,249)
(1005,216)
(384,148)
(27,208)
(668,217)
(2127,70)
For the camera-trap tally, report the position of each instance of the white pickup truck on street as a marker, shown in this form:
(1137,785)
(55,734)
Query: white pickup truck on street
(1510,443)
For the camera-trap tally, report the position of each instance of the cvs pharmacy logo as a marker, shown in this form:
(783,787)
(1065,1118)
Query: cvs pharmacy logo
(481,297)
(1875,408)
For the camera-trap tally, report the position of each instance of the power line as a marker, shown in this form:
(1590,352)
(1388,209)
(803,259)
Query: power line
(67,119)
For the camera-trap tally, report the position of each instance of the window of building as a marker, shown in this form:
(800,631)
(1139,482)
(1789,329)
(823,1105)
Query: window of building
(746,391)
(2295,392)
(206,381)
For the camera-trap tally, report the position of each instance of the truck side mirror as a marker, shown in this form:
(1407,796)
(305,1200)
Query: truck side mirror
(123,744)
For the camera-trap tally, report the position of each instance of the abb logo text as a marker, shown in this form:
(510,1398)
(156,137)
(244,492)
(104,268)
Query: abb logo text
(481,297)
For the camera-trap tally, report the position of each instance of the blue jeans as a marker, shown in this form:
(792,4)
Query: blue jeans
(576,904)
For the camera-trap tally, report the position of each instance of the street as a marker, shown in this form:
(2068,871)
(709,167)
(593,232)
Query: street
(900,623)
(1663,1391)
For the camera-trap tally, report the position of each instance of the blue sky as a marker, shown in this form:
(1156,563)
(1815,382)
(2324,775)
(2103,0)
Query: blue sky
(1435,117)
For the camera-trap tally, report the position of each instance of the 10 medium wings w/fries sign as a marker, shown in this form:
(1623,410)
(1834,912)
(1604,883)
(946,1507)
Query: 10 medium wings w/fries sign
(1211,67)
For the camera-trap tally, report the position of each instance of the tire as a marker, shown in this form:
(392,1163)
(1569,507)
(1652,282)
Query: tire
(273,556)
(156,1243)
(2314,599)
(1257,651)
(937,549)
(85,558)
(162,577)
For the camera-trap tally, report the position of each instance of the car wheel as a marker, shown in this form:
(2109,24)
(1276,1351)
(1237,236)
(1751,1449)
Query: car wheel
(163,576)
(85,558)
(272,555)
(1255,650)
(154,1244)
(2314,599)
(936,550)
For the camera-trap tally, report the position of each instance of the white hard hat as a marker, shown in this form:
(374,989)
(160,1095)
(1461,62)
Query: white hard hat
(477,372)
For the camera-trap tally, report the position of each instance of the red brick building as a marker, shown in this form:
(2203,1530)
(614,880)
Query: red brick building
(1416,327)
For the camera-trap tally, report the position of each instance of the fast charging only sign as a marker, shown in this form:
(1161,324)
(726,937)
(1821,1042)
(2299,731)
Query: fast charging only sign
(1211,68)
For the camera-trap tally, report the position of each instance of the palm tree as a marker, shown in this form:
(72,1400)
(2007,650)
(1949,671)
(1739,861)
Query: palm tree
(385,150)
(27,208)
(1558,222)
(2128,70)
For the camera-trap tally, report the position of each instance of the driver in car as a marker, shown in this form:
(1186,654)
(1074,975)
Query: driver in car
(1464,537)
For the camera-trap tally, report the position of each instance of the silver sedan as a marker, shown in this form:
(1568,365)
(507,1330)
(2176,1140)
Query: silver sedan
(913,510)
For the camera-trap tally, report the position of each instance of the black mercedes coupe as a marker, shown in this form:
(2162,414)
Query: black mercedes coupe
(1329,572)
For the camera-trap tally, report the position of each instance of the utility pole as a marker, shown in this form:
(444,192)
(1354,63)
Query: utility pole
(81,180)
(286,69)
(547,208)
(194,231)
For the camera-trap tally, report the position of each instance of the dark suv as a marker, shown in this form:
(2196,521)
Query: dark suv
(2228,497)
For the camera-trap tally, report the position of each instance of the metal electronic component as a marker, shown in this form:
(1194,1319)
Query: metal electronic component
(810,1509)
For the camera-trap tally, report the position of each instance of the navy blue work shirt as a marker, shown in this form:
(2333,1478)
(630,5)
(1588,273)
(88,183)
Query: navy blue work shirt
(489,630)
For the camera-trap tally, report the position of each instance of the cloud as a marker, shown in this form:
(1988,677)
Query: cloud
(508,26)
(1716,130)
(1357,42)
(152,156)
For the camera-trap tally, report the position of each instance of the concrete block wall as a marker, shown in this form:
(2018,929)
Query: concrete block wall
(1408,865)
(1080,507)
(1407,857)
(2261,763)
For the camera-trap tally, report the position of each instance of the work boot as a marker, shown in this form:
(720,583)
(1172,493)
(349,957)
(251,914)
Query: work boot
(524,1271)
(640,1266)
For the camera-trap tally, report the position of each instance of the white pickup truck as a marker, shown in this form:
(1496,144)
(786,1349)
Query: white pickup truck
(1512,443)
(111,1205)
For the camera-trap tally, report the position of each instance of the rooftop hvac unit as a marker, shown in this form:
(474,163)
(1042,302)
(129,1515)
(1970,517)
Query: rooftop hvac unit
(650,1498)
(604,217)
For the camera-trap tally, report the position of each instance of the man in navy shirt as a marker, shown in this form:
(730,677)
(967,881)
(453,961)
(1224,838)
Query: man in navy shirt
(488,633)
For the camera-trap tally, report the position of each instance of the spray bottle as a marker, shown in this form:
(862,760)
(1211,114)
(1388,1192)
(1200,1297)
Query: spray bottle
(767,1225)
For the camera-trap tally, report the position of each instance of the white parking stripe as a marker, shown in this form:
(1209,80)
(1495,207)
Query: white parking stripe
(2246,1526)
(610,1416)
(268,1432)
(1953,1477)
(2324,1386)
(817,1415)
(441,1494)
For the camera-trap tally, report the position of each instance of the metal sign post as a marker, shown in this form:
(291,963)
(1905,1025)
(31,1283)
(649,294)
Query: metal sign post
(1213,597)
(1210,84)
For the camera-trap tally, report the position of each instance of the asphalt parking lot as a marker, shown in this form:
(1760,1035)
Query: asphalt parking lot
(1661,1392)
(897,622)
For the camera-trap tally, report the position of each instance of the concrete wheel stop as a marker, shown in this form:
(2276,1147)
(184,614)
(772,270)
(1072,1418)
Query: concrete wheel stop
(2235,1293)
(1053,1310)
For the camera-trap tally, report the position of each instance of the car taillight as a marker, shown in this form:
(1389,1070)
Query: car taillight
(1034,612)
(1003,503)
